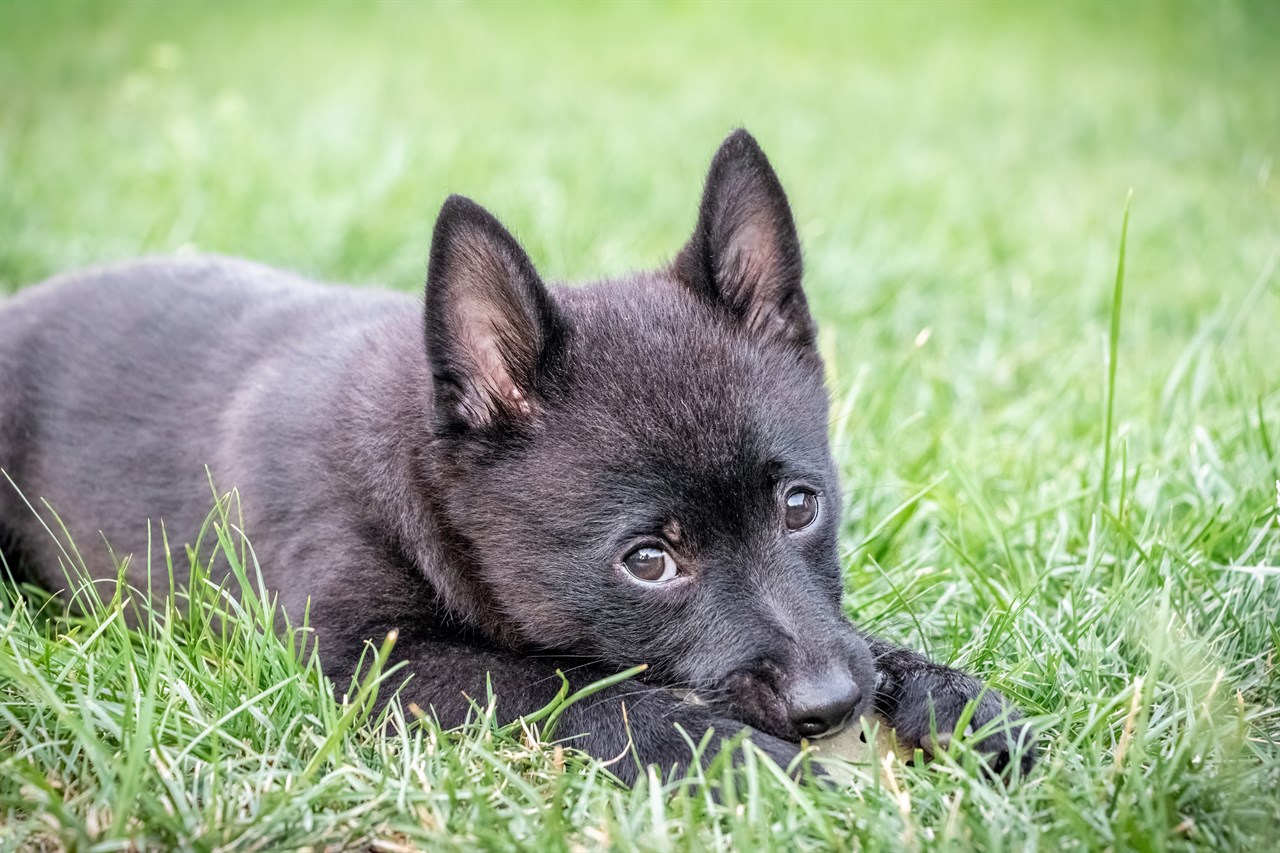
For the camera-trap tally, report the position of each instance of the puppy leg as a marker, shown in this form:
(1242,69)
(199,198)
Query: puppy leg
(445,677)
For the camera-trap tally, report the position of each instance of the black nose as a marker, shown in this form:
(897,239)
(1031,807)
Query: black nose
(823,704)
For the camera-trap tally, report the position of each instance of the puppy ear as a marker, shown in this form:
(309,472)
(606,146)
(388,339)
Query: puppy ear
(744,255)
(490,322)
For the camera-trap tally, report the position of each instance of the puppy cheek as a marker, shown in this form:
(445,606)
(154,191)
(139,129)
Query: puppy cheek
(627,633)
(544,613)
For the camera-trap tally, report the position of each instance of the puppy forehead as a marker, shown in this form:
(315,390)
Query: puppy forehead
(648,340)
(656,377)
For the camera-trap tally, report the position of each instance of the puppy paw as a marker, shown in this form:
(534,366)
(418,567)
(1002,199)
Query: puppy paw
(932,706)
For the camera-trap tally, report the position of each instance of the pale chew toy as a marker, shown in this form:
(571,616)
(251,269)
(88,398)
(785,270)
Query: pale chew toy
(851,744)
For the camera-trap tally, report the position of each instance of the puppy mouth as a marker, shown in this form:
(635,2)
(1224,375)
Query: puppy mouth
(742,711)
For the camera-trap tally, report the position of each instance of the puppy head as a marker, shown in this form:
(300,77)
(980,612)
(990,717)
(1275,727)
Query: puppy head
(638,470)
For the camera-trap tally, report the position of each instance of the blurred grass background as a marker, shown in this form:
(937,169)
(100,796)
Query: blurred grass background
(958,173)
(958,167)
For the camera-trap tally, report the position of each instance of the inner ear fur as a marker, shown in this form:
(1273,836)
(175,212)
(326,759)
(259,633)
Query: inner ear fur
(744,255)
(490,321)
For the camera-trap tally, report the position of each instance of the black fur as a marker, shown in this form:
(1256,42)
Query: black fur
(478,494)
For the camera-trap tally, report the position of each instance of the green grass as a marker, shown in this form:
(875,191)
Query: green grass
(1060,475)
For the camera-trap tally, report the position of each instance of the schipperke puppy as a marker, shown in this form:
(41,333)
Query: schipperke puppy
(516,478)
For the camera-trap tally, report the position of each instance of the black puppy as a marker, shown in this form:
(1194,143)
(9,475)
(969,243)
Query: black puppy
(515,479)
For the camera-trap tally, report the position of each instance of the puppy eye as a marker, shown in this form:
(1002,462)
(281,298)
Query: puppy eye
(801,508)
(650,564)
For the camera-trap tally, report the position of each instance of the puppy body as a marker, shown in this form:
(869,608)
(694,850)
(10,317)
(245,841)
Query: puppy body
(498,475)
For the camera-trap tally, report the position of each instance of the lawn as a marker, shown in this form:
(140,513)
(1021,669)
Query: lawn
(959,174)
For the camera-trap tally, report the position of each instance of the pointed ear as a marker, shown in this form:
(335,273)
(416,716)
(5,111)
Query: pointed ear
(744,255)
(490,322)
